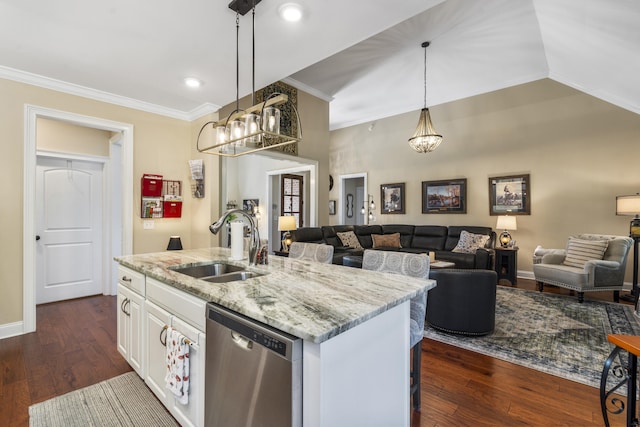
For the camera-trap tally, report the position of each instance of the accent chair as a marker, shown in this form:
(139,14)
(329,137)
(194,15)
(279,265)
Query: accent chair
(590,263)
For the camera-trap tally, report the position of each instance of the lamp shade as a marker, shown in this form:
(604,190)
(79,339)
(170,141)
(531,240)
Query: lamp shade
(506,222)
(286,223)
(175,244)
(628,205)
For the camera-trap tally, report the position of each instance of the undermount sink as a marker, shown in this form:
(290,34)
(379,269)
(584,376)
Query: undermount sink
(232,277)
(216,272)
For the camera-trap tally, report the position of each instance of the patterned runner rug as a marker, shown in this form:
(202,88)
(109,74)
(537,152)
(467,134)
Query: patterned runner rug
(121,401)
(550,333)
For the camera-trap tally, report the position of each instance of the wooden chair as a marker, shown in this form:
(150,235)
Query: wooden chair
(414,265)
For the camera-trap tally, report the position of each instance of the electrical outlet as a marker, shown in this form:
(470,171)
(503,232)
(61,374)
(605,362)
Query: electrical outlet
(148,225)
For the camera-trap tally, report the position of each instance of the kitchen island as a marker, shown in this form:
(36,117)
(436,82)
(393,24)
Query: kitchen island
(354,325)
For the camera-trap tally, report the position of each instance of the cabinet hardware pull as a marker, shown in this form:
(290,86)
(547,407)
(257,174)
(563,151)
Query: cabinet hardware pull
(164,331)
(124,301)
(126,279)
(127,312)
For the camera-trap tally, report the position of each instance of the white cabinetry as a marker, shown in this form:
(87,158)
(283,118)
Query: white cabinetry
(169,307)
(130,340)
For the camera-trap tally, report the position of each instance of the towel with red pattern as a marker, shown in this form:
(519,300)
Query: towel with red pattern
(177,379)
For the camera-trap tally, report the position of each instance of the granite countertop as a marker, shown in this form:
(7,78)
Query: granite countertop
(309,300)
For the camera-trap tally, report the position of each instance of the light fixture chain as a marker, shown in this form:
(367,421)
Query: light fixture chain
(425,77)
(253,56)
(237,61)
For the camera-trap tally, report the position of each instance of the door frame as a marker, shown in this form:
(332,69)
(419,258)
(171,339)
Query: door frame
(341,211)
(306,165)
(31,115)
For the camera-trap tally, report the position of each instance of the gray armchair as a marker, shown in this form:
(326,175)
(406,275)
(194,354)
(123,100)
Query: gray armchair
(606,274)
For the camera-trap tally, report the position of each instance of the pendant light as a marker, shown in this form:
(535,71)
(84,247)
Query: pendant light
(425,139)
(256,128)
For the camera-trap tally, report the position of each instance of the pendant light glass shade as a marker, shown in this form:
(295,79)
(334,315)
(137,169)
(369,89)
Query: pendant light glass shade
(425,139)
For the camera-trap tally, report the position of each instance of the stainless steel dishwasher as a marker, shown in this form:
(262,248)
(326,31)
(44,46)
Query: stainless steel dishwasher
(253,373)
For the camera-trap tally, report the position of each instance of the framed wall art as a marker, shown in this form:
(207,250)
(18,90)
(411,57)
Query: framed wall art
(392,196)
(440,197)
(250,205)
(510,194)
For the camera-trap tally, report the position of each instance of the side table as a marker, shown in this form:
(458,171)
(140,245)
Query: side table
(507,264)
(624,371)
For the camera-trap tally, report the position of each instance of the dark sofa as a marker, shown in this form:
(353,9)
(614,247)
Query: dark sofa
(413,238)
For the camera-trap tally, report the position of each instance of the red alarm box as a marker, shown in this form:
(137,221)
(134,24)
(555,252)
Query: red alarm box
(151,185)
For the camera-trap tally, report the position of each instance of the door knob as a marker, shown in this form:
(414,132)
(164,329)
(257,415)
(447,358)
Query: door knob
(37,237)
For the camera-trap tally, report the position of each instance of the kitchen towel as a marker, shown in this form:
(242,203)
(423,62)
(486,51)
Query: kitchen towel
(237,240)
(177,379)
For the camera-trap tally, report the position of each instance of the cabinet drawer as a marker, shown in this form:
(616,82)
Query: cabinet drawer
(179,303)
(131,279)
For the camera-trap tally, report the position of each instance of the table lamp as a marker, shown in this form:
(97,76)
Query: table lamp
(286,224)
(630,205)
(505,223)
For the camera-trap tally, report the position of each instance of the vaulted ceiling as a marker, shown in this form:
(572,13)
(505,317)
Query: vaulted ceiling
(363,55)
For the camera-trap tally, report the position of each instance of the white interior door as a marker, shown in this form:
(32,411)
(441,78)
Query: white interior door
(69,225)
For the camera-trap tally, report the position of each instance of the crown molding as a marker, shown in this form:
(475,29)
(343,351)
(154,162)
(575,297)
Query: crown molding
(98,95)
(311,91)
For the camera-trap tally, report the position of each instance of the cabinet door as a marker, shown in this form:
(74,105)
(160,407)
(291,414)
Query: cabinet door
(123,323)
(136,335)
(192,414)
(155,321)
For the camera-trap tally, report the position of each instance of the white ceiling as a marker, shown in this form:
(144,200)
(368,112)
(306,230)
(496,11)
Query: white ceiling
(365,55)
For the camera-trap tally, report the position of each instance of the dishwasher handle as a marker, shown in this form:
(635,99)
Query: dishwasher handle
(242,342)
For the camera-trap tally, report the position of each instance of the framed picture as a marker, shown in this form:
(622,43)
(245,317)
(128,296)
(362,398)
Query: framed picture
(510,194)
(440,197)
(332,207)
(250,205)
(392,197)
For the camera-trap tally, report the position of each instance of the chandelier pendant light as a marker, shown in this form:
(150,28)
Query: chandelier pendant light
(425,139)
(256,128)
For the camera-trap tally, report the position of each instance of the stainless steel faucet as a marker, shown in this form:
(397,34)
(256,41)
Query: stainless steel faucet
(254,238)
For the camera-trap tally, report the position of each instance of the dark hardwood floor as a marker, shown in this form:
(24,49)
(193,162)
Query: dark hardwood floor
(75,346)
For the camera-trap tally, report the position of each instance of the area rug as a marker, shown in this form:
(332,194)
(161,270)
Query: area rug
(550,333)
(121,401)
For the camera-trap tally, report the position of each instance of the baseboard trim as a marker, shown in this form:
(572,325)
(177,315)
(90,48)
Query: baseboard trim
(9,330)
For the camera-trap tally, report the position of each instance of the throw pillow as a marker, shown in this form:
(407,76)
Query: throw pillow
(349,238)
(469,243)
(386,240)
(579,251)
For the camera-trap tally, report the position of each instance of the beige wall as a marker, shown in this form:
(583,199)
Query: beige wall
(162,145)
(53,135)
(579,151)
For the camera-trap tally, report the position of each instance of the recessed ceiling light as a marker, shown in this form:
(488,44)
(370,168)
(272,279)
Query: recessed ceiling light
(291,12)
(192,82)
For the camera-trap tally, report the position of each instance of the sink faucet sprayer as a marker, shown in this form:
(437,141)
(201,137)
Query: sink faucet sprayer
(254,239)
